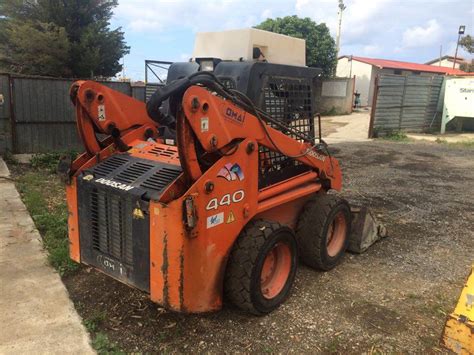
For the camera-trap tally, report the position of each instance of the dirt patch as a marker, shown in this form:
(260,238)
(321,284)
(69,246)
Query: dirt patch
(393,298)
(329,126)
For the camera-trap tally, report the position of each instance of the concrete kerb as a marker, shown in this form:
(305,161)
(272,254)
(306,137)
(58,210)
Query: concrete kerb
(36,313)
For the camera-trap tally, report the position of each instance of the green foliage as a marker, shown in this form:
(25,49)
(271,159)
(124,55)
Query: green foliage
(92,323)
(467,42)
(396,136)
(39,48)
(49,161)
(9,158)
(43,196)
(467,67)
(320,46)
(60,38)
(103,345)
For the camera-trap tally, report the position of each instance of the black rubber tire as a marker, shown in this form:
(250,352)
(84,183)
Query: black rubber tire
(312,228)
(242,279)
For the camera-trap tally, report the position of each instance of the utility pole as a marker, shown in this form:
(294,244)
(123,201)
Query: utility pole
(342,7)
(440,54)
(461,31)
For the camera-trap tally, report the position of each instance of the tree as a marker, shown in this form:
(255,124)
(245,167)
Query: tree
(320,46)
(81,29)
(467,42)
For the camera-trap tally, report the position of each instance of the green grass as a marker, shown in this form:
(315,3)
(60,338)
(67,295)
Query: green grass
(9,158)
(396,136)
(100,340)
(49,161)
(103,345)
(93,322)
(469,143)
(44,197)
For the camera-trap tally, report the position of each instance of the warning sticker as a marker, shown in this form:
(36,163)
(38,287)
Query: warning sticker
(204,124)
(230,217)
(215,220)
(101,113)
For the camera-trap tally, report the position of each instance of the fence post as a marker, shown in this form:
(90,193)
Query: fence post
(374,107)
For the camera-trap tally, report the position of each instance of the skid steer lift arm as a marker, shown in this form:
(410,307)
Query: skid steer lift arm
(215,122)
(106,118)
(218,124)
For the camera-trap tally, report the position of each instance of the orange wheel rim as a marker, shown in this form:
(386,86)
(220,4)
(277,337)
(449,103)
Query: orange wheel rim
(275,270)
(336,234)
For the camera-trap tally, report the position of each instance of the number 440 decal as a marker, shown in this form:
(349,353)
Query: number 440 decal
(225,200)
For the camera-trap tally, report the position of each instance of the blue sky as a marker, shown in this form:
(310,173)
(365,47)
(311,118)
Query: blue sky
(409,30)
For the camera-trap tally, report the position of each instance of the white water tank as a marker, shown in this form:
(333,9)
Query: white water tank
(239,44)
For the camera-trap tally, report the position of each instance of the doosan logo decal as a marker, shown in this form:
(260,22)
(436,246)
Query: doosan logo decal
(115,184)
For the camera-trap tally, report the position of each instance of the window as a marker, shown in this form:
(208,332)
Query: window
(397,72)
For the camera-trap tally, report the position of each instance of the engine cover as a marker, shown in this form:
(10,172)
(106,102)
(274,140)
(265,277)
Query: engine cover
(113,209)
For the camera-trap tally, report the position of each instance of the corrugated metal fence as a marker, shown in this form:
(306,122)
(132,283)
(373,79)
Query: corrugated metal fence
(38,116)
(405,103)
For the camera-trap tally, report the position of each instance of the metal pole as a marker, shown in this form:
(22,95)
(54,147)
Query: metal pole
(461,31)
(440,54)
(456,53)
(338,34)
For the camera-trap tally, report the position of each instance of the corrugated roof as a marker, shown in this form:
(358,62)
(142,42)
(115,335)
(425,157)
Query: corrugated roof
(395,64)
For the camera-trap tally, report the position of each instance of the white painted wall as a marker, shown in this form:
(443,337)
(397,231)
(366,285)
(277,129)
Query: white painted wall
(446,63)
(364,77)
(236,44)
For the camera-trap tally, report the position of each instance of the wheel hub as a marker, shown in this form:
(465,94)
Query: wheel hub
(275,270)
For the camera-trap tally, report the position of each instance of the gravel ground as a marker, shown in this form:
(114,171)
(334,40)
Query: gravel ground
(395,297)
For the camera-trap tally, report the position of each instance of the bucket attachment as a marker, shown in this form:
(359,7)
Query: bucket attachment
(366,230)
(458,334)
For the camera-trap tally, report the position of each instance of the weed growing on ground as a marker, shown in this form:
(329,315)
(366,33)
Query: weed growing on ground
(49,161)
(43,195)
(397,136)
(92,323)
(462,144)
(103,345)
(9,158)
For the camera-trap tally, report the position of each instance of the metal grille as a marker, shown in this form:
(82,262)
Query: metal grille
(167,152)
(290,102)
(161,179)
(111,225)
(109,165)
(133,172)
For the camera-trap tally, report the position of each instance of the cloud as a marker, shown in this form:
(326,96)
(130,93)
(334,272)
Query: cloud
(371,49)
(267,13)
(142,16)
(419,36)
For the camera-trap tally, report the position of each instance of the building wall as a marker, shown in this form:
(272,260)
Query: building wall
(334,96)
(446,63)
(364,77)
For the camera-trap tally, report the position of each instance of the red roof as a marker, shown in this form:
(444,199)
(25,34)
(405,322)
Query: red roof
(395,64)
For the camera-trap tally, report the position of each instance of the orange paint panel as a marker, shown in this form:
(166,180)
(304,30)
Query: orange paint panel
(287,213)
(73,221)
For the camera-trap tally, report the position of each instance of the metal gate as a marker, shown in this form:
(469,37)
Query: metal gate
(5,114)
(405,103)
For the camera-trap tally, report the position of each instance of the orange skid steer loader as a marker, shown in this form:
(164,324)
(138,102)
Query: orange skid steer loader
(212,189)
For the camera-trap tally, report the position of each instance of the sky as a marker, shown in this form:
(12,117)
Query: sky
(407,30)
